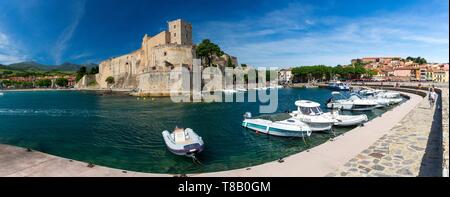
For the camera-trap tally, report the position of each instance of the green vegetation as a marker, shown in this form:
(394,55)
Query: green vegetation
(322,72)
(80,73)
(417,60)
(244,65)
(110,80)
(207,50)
(94,70)
(92,83)
(230,62)
(43,83)
(62,82)
(16,84)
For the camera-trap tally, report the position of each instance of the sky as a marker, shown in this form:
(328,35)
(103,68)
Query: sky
(259,32)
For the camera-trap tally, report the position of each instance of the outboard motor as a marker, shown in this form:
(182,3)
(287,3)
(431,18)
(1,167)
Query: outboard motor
(247,115)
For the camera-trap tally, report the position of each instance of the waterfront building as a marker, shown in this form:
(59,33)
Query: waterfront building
(285,76)
(441,76)
(148,69)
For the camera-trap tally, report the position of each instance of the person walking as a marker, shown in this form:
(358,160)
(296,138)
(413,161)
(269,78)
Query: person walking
(432,97)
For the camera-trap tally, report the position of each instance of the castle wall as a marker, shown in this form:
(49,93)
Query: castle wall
(180,32)
(148,68)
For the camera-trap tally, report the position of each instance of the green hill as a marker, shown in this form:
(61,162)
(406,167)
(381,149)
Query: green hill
(35,69)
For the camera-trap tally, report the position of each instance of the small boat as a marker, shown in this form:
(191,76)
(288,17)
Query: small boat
(229,91)
(380,101)
(338,101)
(183,142)
(347,120)
(310,86)
(339,86)
(310,113)
(241,89)
(285,128)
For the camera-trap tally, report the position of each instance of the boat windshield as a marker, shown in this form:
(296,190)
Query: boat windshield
(312,111)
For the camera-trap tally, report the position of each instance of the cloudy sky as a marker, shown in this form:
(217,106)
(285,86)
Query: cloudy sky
(259,33)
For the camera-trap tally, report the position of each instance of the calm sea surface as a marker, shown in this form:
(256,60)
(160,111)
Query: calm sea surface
(123,132)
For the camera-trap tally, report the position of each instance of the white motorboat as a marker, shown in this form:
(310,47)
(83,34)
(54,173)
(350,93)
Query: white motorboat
(339,86)
(381,102)
(285,128)
(338,101)
(183,142)
(229,91)
(241,89)
(310,113)
(347,120)
(383,97)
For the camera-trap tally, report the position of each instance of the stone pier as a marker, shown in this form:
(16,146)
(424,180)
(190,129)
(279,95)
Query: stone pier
(412,148)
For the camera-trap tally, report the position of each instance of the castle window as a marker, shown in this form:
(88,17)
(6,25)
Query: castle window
(174,26)
(165,53)
(174,34)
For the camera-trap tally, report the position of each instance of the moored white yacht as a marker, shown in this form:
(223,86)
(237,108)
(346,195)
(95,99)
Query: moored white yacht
(338,101)
(286,128)
(310,113)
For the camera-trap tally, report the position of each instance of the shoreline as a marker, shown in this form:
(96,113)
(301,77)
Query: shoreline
(37,90)
(318,161)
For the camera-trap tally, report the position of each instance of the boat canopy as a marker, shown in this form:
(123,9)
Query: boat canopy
(305,103)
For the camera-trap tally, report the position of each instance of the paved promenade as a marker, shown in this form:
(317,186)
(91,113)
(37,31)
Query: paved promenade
(445,130)
(319,161)
(412,148)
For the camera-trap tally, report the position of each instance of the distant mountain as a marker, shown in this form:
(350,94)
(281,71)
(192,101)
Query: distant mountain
(72,67)
(34,66)
(29,66)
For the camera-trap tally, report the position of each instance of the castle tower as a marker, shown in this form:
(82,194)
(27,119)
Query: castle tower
(180,32)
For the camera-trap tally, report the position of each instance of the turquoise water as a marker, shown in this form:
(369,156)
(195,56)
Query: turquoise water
(123,132)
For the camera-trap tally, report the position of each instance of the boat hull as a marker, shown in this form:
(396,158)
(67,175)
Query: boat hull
(274,130)
(346,121)
(183,149)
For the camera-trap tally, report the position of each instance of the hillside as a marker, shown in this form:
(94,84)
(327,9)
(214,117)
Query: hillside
(36,67)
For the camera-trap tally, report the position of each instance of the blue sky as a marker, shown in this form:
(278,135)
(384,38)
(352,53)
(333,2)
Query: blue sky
(259,33)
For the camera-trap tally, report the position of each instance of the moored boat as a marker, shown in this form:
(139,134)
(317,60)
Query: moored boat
(338,101)
(183,142)
(310,113)
(347,120)
(338,85)
(285,128)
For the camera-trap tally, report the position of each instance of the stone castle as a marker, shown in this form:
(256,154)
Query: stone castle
(147,69)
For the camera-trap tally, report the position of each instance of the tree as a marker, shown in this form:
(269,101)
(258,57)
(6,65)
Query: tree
(7,72)
(44,83)
(110,80)
(94,70)
(80,73)
(244,65)
(207,50)
(62,82)
(230,62)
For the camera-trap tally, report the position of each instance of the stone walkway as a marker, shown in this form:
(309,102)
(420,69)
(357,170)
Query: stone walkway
(445,130)
(402,152)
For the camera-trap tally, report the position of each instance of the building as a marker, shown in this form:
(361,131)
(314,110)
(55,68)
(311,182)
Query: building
(406,74)
(148,69)
(441,76)
(366,60)
(285,76)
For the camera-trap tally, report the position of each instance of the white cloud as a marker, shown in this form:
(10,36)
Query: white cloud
(8,53)
(295,36)
(65,37)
